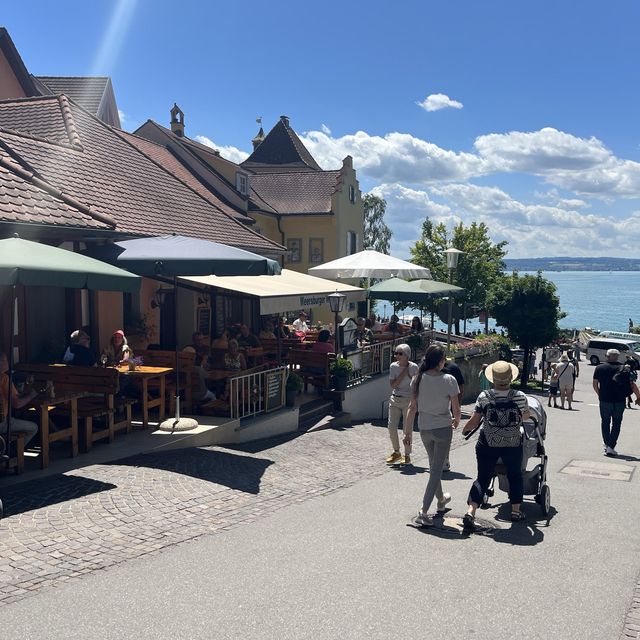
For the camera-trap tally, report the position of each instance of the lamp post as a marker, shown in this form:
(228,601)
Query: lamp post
(452,263)
(336,303)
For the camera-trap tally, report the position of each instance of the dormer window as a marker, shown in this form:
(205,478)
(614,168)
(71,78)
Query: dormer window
(242,183)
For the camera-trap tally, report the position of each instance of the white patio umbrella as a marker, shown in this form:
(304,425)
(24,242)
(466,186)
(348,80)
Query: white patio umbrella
(369,264)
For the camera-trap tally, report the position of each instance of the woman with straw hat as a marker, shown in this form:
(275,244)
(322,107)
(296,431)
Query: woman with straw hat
(502,411)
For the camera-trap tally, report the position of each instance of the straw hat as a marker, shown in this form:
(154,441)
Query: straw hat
(501,372)
(564,358)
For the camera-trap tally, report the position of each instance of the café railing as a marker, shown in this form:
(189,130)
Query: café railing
(257,392)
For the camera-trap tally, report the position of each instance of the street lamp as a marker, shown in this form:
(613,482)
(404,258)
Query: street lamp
(452,263)
(336,303)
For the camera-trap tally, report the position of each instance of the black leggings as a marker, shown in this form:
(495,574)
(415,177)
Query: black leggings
(487,457)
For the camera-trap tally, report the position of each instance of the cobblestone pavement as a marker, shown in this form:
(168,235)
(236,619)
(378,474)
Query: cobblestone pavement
(63,527)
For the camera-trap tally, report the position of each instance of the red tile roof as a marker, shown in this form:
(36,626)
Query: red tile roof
(25,199)
(113,177)
(291,193)
(166,159)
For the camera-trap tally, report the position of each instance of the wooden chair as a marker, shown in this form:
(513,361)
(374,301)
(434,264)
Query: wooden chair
(312,367)
(17,462)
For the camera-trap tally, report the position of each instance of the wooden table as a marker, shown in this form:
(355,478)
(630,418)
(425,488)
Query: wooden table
(42,406)
(144,374)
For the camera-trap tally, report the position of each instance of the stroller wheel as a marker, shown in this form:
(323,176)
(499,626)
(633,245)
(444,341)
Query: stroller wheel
(544,499)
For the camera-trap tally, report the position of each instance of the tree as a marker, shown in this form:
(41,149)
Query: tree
(529,309)
(478,269)
(377,235)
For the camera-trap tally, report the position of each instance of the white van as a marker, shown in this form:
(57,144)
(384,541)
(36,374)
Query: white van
(597,349)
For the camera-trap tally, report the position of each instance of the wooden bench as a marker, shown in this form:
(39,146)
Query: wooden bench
(188,378)
(16,462)
(312,367)
(101,385)
(270,346)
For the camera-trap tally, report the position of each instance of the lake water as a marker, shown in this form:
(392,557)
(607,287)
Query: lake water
(598,299)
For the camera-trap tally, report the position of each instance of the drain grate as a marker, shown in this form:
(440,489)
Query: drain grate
(601,470)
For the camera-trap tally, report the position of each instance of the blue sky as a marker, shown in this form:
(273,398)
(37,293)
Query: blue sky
(522,115)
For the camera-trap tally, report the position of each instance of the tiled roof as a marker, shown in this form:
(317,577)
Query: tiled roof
(24,199)
(39,117)
(166,159)
(87,91)
(113,177)
(290,193)
(281,151)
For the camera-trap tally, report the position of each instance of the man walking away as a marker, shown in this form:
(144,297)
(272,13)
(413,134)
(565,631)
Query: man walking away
(612,385)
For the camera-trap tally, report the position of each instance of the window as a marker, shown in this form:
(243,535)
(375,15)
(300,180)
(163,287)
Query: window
(294,250)
(352,194)
(242,183)
(352,242)
(316,250)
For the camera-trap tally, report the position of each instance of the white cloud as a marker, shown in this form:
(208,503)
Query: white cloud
(325,129)
(228,152)
(437,101)
(123,117)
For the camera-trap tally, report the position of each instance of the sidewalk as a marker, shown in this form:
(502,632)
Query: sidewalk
(296,558)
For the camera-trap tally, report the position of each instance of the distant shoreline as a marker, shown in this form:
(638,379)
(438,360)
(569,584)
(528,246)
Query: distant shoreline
(572,264)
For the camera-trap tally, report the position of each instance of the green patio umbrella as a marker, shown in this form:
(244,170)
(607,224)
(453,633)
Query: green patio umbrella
(435,288)
(35,264)
(418,291)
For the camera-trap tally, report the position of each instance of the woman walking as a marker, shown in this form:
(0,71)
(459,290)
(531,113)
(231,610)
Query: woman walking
(401,372)
(565,371)
(503,410)
(434,395)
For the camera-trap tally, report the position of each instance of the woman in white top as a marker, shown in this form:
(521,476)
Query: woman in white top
(565,371)
(435,397)
(401,373)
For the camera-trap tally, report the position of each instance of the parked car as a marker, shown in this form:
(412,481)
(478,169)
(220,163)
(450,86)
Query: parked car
(597,349)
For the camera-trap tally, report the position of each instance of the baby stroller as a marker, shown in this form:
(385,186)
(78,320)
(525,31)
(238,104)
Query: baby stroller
(535,479)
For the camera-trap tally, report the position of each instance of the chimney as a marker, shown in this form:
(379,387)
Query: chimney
(285,120)
(177,121)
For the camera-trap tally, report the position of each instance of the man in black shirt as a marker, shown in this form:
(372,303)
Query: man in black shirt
(454,370)
(612,394)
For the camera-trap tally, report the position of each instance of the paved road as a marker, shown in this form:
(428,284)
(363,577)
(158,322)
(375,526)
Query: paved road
(310,542)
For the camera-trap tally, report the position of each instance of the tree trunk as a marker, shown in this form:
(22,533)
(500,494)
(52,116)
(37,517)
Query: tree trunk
(524,378)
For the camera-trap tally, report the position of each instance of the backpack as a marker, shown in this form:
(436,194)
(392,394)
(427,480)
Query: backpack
(622,378)
(502,420)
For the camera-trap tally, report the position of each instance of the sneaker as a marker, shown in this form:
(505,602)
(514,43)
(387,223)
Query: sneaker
(468,522)
(394,457)
(442,505)
(446,466)
(612,451)
(423,520)
(406,459)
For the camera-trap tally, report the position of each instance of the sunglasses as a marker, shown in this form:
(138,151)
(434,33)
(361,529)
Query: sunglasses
(398,353)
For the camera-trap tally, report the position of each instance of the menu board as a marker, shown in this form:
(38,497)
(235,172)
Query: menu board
(273,391)
(386,358)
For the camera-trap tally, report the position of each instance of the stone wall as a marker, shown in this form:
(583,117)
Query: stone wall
(470,367)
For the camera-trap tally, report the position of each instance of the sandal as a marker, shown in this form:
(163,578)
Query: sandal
(468,522)
(517,516)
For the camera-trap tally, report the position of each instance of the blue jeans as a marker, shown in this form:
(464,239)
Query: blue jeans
(611,415)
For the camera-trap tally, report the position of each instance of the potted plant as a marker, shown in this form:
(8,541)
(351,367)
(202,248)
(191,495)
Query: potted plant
(292,388)
(340,370)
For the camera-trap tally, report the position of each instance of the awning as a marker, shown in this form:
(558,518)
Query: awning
(288,291)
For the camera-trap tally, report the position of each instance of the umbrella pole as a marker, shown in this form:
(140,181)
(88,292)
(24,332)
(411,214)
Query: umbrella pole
(177,423)
(12,328)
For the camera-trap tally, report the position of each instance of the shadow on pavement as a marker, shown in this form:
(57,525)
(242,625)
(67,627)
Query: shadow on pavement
(234,471)
(627,458)
(36,494)
(257,446)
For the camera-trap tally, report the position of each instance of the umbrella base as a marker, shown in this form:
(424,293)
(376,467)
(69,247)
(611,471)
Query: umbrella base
(179,424)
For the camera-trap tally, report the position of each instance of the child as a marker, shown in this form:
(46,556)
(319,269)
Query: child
(553,386)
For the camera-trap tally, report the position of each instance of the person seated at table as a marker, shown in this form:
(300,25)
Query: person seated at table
(246,338)
(233,359)
(28,428)
(395,326)
(374,324)
(283,328)
(301,323)
(117,351)
(79,353)
(324,344)
(267,331)
(362,334)
(200,348)
(221,342)
(416,325)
